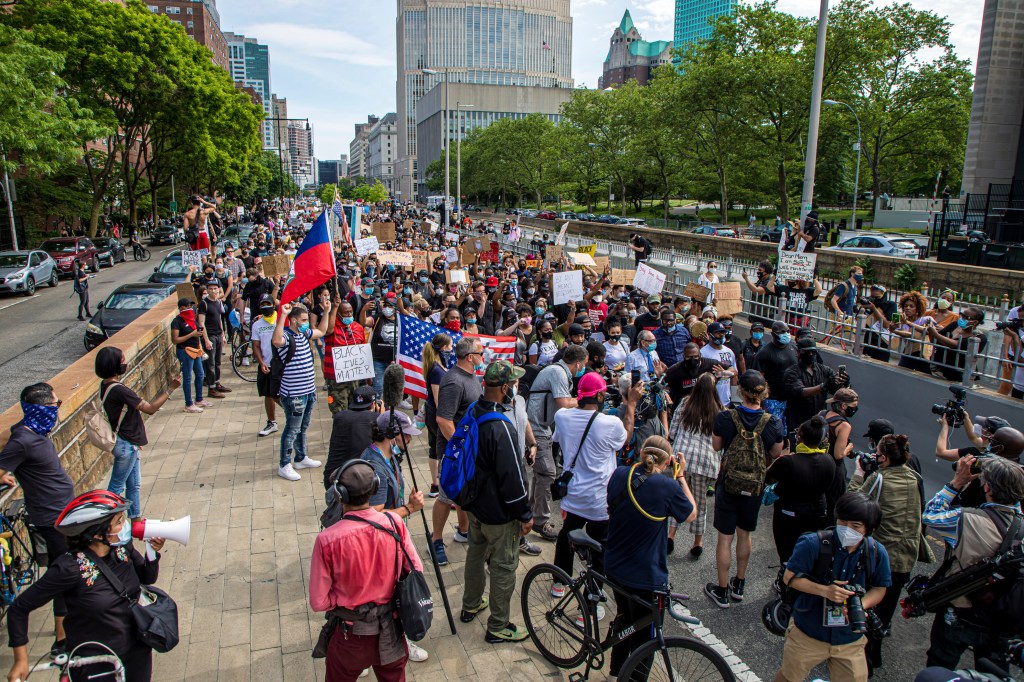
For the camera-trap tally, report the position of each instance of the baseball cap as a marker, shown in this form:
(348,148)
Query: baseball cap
(655,299)
(806,343)
(716,327)
(878,428)
(492,281)
(363,398)
(391,296)
(991,424)
(591,384)
(266,300)
(502,372)
(757,326)
(879,287)
(843,395)
(359,479)
(575,329)
(402,421)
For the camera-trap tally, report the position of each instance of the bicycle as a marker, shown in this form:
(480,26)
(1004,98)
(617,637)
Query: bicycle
(238,334)
(18,566)
(140,252)
(65,662)
(571,623)
(244,362)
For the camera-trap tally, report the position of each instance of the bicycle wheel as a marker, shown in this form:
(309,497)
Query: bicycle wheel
(551,621)
(146,255)
(244,364)
(681,659)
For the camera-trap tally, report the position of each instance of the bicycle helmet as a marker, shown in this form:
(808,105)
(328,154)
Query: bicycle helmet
(88,511)
(775,615)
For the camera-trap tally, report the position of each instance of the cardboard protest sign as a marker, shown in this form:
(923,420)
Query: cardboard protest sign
(420,261)
(276,266)
(580,260)
(192,258)
(185,290)
(590,249)
(353,363)
(623,277)
(364,247)
(384,232)
(602,263)
(730,298)
(796,266)
(400,259)
(554,253)
(451,255)
(407,224)
(566,286)
(492,256)
(560,239)
(532,263)
(456,277)
(648,279)
(697,292)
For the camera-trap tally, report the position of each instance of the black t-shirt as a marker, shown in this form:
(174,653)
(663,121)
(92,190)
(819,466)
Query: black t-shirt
(33,460)
(252,291)
(812,231)
(214,312)
(725,427)
(183,328)
(384,340)
(116,398)
(803,481)
(773,361)
(680,379)
(351,433)
(942,355)
(647,321)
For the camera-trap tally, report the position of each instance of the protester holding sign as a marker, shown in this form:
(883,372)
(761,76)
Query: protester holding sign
(343,331)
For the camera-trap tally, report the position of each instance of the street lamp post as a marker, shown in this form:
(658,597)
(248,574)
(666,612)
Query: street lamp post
(807,196)
(447,144)
(856,148)
(458,154)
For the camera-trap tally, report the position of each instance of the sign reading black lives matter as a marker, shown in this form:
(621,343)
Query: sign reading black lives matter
(353,363)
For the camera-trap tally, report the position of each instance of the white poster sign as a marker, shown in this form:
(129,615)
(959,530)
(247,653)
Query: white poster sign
(193,258)
(352,363)
(648,280)
(451,256)
(566,286)
(364,247)
(560,239)
(240,210)
(453,237)
(799,266)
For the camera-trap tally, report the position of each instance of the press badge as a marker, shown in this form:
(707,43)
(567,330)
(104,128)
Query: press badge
(834,616)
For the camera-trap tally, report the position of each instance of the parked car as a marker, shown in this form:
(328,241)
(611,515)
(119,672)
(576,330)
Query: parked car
(978,236)
(567,215)
(772,234)
(880,245)
(22,271)
(109,250)
(547,215)
(606,218)
(471,208)
(67,250)
(170,270)
(167,234)
(632,222)
(588,217)
(529,213)
(124,305)
(714,230)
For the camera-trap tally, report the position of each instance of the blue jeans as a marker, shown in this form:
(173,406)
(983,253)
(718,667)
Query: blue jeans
(191,367)
(126,476)
(378,377)
(298,411)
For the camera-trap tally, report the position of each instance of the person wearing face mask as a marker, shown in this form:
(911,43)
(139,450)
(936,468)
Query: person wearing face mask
(185,335)
(809,383)
(682,376)
(952,340)
(97,533)
(384,453)
(943,312)
(422,285)
(343,330)
(438,356)
(723,357)
(671,338)
(772,361)
(383,338)
(709,280)
(543,350)
(820,631)
(616,344)
(842,300)
(521,327)
(597,308)
(752,345)
(843,404)
(880,310)
(645,358)
(256,287)
(267,385)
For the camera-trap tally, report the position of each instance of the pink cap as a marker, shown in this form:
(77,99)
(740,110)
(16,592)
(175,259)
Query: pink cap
(591,384)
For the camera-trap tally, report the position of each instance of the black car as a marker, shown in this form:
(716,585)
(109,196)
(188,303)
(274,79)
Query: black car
(166,234)
(124,305)
(170,270)
(109,250)
(773,234)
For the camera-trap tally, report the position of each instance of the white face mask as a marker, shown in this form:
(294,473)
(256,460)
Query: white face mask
(848,537)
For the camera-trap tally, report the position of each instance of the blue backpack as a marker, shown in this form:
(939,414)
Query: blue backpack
(458,467)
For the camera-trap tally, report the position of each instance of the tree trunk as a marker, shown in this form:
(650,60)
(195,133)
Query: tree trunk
(723,194)
(94,214)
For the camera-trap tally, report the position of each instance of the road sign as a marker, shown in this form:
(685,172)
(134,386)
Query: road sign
(174,206)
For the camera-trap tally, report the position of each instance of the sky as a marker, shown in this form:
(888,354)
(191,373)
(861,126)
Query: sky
(335,60)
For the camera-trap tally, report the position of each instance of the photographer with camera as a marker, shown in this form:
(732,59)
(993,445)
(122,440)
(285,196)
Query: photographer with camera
(1013,334)
(981,619)
(880,311)
(952,340)
(829,616)
(1009,443)
(899,491)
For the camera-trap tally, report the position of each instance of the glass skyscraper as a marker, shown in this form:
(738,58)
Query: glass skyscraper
(694,18)
(487,42)
(249,64)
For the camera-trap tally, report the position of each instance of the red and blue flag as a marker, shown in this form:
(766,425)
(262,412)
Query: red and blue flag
(314,262)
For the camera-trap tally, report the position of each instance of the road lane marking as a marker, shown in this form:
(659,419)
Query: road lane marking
(11,305)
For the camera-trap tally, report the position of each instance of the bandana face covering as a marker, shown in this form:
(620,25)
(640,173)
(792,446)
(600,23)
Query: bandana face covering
(40,418)
(189,315)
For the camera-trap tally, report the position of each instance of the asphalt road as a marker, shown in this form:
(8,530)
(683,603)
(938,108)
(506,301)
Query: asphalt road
(41,333)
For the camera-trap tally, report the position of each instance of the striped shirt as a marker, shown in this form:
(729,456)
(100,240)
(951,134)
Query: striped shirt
(944,519)
(299,377)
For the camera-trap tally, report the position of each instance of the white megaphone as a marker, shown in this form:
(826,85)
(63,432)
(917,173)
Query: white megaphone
(177,530)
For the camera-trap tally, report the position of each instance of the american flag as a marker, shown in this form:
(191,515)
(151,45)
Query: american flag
(413,334)
(337,210)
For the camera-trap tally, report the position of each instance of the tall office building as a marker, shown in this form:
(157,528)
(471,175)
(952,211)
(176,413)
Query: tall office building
(488,42)
(995,135)
(250,67)
(358,149)
(695,17)
(279,106)
(300,149)
(382,145)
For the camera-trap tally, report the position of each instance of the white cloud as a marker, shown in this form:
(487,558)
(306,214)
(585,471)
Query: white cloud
(323,43)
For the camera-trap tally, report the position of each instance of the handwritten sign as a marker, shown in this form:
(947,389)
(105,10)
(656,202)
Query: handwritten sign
(453,237)
(364,247)
(532,263)
(697,292)
(192,258)
(589,249)
(385,232)
(240,211)
(353,363)
(602,263)
(400,259)
(554,253)
(451,256)
(560,239)
(730,298)
(456,277)
(185,290)
(566,286)
(276,266)
(648,279)
(623,277)
(491,256)
(420,261)
(796,266)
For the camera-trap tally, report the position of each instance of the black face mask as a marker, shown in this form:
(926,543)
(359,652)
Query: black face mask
(547,335)
(691,363)
(122,368)
(807,358)
(849,411)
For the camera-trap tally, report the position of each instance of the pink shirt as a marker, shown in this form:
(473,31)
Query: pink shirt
(353,563)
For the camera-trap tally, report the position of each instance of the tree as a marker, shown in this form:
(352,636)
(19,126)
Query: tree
(326,194)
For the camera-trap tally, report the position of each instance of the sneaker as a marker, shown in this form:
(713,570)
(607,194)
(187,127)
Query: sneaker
(527,547)
(439,553)
(719,595)
(306,463)
(600,617)
(205,403)
(405,405)
(288,472)
(547,531)
(222,389)
(434,491)
(468,615)
(417,654)
(215,394)
(58,647)
(558,591)
(269,428)
(461,537)
(696,551)
(509,633)
(192,409)
(736,589)
(245,363)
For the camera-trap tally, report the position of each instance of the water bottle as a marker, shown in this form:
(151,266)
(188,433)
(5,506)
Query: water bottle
(950,617)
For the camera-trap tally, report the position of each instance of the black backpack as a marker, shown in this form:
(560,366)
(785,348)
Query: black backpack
(192,234)
(526,381)
(277,363)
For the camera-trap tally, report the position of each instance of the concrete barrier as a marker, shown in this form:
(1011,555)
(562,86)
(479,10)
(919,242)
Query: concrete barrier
(151,362)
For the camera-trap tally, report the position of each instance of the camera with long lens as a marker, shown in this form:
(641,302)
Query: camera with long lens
(855,609)
(868,462)
(655,396)
(977,464)
(1009,324)
(955,409)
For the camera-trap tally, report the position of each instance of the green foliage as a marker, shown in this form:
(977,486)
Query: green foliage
(371,194)
(868,267)
(905,277)
(326,193)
